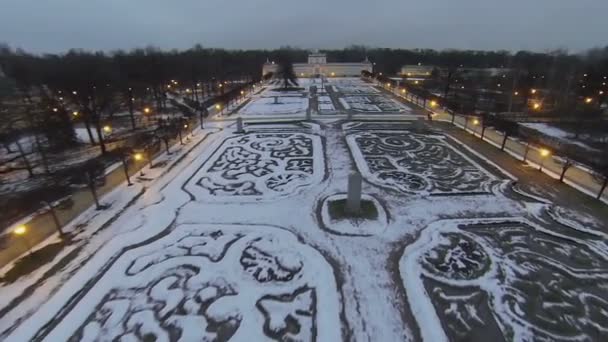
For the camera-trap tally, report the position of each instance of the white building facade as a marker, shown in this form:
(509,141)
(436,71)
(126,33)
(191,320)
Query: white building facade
(317,65)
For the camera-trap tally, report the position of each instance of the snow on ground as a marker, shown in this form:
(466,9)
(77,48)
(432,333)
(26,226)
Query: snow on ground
(267,106)
(373,104)
(235,242)
(556,133)
(325,104)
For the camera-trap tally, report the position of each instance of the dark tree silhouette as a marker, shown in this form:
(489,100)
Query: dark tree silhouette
(285,71)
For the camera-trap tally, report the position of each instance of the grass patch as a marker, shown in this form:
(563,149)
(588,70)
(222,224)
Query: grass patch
(31,262)
(337,210)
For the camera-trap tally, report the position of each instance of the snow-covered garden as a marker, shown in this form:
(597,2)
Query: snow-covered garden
(238,243)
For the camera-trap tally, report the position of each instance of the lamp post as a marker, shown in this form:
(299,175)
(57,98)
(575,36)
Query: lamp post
(54,216)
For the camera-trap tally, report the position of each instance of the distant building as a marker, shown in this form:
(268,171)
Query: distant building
(416,71)
(317,65)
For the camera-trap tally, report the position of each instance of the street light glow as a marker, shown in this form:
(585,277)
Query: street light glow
(403,91)
(536,106)
(533,91)
(55,110)
(147,110)
(588,100)
(75,113)
(20,230)
(138,156)
(185,125)
(516,93)
(433,103)
(107,128)
(218,107)
(475,122)
(544,152)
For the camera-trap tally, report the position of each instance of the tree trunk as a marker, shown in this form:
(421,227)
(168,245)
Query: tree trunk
(102,144)
(26,162)
(504,142)
(87,125)
(453,117)
(447,85)
(526,152)
(599,195)
(55,217)
(166,141)
(30,119)
(483,132)
(564,169)
(131,115)
(94,192)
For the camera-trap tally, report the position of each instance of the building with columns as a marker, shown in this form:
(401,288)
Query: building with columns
(317,65)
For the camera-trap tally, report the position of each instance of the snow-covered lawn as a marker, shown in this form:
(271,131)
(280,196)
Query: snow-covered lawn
(373,104)
(326,105)
(267,106)
(556,133)
(236,243)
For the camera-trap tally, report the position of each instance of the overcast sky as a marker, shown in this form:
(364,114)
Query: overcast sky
(57,25)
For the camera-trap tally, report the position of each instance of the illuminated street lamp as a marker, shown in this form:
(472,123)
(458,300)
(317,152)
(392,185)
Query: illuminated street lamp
(544,153)
(107,128)
(516,93)
(536,106)
(475,122)
(147,110)
(75,113)
(55,110)
(139,157)
(588,100)
(433,104)
(533,91)
(20,232)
